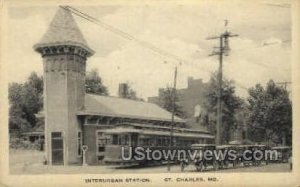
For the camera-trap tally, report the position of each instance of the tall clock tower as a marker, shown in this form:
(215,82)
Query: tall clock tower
(64,52)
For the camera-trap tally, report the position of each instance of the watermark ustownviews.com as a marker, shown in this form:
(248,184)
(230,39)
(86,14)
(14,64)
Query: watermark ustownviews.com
(141,153)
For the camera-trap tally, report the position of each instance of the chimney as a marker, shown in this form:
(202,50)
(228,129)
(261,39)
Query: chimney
(123,90)
(160,91)
(190,81)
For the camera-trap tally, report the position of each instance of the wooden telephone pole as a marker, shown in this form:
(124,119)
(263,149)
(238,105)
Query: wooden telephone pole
(223,49)
(172,118)
(284,84)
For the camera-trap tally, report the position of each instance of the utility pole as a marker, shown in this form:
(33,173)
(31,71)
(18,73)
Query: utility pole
(284,86)
(285,83)
(223,49)
(172,118)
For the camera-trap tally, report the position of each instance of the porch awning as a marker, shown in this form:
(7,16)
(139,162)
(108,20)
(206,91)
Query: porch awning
(125,130)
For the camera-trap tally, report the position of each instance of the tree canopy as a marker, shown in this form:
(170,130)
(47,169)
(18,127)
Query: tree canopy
(270,117)
(93,83)
(129,93)
(230,105)
(166,99)
(25,101)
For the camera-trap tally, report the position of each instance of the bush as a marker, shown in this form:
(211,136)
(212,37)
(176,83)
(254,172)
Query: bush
(18,143)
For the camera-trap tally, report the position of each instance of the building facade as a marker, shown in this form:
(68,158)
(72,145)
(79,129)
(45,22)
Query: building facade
(74,118)
(190,99)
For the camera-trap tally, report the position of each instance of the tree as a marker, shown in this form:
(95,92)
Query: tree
(128,92)
(166,102)
(25,101)
(270,117)
(131,94)
(36,82)
(93,83)
(230,105)
(16,115)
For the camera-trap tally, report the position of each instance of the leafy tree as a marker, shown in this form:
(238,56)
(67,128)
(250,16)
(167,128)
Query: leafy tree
(36,82)
(129,93)
(166,102)
(132,94)
(230,105)
(270,117)
(93,83)
(16,115)
(25,101)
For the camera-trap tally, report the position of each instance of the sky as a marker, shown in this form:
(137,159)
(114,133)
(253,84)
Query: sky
(261,52)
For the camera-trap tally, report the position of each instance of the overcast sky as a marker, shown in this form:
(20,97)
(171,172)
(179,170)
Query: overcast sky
(261,52)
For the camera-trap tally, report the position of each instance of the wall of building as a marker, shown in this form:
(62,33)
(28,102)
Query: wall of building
(188,97)
(193,95)
(89,139)
(63,96)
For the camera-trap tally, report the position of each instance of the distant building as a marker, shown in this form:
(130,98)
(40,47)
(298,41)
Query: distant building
(123,90)
(74,118)
(190,99)
(32,136)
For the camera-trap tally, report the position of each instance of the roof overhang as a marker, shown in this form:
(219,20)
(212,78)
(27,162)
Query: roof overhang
(126,130)
(88,113)
(38,47)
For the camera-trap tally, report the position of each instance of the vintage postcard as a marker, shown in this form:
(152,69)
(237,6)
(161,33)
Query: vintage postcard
(154,93)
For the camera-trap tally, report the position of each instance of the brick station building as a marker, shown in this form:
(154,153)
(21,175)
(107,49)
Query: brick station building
(74,118)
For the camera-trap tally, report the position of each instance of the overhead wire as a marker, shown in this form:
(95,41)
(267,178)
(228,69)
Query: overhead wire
(140,42)
(124,34)
(145,44)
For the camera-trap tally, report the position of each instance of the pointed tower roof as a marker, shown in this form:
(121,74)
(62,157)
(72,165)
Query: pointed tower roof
(63,30)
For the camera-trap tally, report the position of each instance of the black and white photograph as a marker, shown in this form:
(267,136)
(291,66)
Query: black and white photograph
(195,88)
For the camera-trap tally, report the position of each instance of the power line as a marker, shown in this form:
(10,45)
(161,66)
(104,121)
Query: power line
(123,34)
(281,5)
(262,47)
(142,43)
(127,36)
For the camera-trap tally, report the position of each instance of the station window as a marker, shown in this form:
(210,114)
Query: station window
(122,140)
(144,141)
(166,141)
(92,120)
(159,141)
(115,139)
(102,140)
(147,141)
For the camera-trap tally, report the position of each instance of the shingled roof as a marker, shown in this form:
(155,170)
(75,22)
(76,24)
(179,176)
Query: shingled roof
(63,30)
(120,107)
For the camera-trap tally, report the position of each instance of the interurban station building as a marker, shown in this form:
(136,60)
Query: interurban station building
(74,118)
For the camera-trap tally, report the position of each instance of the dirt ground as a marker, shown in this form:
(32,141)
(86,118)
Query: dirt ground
(31,162)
